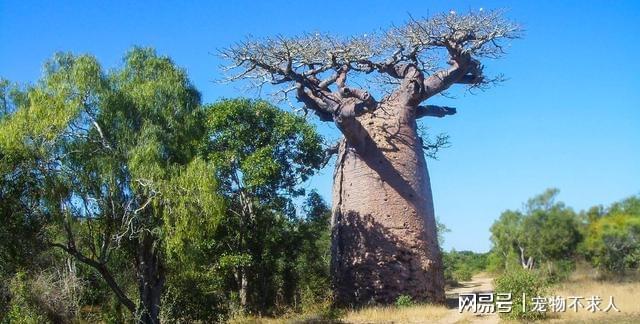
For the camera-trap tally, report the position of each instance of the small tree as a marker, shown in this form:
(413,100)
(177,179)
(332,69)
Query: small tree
(545,231)
(612,241)
(262,156)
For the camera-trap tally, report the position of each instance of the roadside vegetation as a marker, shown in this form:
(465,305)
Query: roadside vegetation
(547,249)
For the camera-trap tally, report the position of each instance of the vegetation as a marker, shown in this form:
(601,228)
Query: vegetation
(404,301)
(546,231)
(551,237)
(121,188)
(522,284)
(124,198)
(542,245)
(586,282)
(613,237)
(462,265)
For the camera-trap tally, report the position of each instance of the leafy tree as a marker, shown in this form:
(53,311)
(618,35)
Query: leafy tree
(545,230)
(262,155)
(462,265)
(110,153)
(506,235)
(312,263)
(612,241)
(116,170)
(20,196)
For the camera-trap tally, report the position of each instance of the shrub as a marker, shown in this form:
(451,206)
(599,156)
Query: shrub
(461,265)
(557,271)
(23,307)
(52,295)
(462,274)
(519,282)
(404,301)
(613,243)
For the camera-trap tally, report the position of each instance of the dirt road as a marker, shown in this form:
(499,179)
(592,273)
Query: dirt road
(479,283)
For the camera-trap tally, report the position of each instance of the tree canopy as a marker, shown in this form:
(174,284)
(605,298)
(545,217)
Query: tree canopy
(546,230)
(128,174)
(408,57)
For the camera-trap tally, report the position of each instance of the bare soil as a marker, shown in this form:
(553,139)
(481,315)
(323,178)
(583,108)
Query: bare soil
(480,283)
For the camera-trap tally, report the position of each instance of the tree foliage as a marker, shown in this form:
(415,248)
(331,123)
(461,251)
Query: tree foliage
(109,152)
(262,156)
(612,239)
(462,265)
(544,231)
(154,195)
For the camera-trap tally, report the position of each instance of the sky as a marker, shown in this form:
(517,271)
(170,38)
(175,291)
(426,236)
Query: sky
(567,117)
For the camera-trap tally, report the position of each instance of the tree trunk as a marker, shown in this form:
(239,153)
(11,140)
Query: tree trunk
(243,289)
(151,279)
(527,264)
(384,237)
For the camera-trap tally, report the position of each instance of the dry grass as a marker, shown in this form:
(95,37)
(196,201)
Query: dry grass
(389,314)
(412,314)
(584,282)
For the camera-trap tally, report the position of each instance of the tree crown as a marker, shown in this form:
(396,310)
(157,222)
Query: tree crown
(316,66)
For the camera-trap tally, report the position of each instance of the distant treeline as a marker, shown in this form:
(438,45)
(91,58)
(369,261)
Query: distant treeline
(548,237)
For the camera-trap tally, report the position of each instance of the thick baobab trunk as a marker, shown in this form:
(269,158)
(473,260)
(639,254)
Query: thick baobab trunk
(151,279)
(384,240)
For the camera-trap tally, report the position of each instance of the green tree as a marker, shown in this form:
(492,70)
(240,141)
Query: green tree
(506,235)
(612,241)
(462,265)
(262,155)
(111,154)
(313,257)
(545,231)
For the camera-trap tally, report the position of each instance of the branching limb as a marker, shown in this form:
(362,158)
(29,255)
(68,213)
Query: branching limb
(432,147)
(434,111)
(317,64)
(101,267)
(329,152)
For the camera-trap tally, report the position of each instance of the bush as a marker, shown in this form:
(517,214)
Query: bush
(612,241)
(519,282)
(462,274)
(557,271)
(52,295)
(23,307)
(404,301)
(462,265)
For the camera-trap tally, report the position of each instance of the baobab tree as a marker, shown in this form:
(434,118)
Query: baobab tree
(384,240)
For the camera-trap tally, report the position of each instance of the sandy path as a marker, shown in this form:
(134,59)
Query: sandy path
(479,283)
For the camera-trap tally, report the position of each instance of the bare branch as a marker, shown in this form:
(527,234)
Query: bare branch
(430,146)
(329,152)
(316,63)
(434,111)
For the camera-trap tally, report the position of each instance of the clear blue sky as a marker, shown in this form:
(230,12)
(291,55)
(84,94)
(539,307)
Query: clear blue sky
(569,116)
